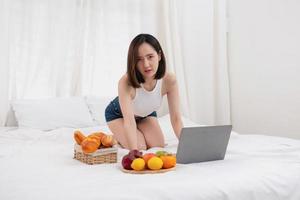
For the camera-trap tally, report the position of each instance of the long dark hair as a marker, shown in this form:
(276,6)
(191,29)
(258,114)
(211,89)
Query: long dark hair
(134,76)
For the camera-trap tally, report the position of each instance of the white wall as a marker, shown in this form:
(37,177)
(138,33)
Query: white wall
(264,61)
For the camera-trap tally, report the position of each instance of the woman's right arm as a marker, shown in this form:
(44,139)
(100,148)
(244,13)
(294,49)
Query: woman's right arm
(124,91)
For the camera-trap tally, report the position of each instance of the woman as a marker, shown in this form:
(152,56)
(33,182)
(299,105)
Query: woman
(132,115)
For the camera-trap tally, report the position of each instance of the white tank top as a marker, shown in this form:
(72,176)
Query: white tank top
(145,102)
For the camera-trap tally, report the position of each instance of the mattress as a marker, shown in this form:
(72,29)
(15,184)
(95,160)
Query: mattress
(39,165)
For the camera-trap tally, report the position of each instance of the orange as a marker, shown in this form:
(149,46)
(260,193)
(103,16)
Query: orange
(168,161)
(155,163)
(147,157)
(138,164)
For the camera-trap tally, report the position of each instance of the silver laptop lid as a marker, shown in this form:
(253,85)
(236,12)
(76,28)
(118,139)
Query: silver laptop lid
(205,143)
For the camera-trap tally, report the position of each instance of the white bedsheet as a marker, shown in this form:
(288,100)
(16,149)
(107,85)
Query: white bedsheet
(40,165)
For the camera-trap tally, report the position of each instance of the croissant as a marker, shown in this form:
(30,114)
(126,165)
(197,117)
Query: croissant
(79,137)
(89,145)
(97,138)
(98,134)
(108,141)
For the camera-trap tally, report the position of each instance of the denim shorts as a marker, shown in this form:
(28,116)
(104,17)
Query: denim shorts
(113,111)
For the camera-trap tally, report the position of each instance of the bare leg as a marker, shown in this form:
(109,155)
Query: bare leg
(152,132)
(117,128)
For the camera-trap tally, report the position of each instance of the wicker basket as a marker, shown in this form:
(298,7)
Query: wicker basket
(105,155)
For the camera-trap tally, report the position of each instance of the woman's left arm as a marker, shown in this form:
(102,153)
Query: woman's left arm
(173,102)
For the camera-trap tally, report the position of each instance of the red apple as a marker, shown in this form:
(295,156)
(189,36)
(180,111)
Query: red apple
(136,153)
(126,162)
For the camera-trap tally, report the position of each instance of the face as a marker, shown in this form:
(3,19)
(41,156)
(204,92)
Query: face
(148,60)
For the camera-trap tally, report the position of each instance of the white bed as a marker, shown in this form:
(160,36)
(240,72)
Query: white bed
(38,164)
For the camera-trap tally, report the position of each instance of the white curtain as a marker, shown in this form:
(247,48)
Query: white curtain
(79,47)
(222,107)
(196,37)
(4,64)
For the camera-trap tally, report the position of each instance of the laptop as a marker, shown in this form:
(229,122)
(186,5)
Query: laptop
(205,143)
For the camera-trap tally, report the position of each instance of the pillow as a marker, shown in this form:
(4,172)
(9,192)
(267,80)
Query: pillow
(97,107)
(49,114)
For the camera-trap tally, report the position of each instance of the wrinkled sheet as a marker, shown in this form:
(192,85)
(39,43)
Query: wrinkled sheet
(40,165)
